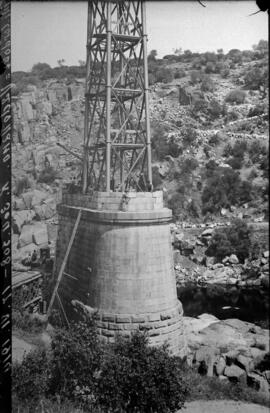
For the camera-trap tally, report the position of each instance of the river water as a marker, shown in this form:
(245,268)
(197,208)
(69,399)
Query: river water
(245,303)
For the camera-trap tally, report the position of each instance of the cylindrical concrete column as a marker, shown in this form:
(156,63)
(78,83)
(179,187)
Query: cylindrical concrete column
(121,264)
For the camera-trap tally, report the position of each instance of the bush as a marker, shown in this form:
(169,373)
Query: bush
(189,136)
(236,96)
(235,162)
(189,165)
(76,355)
(179,73)
(21,185)
(25,321)
(156,178)
(48,175)
(195,76)
(235,239)
(30,379)
(210,67)
(164,75)
(221,190)
(136,377)
(207,84)
(256,77)
(257,151)
(257,110)
(215,109)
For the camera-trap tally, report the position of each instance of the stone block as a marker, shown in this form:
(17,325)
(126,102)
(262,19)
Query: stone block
(153,317)
(108,317)
(138,319)
(40,234)
(112,326)
(107,333)
(123,319)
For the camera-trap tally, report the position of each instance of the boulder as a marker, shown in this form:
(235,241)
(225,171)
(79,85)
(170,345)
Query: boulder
(233,259)
(223,336)
(245,362)
(27,199)
(198,259)
(235,373)
(258,382)
(209,261)
(21,218)
(207,355)
(38,197)
(40,234)
(266,254)
(26,236)
(176,257)
(220,366)
(223,212)
(207,232)
(18,204)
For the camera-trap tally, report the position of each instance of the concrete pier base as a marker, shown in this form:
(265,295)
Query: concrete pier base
(121,264)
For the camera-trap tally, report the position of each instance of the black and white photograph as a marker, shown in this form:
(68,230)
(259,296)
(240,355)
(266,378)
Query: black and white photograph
(134,180)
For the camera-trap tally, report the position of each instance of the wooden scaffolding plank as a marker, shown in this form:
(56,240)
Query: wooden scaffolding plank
(64,261)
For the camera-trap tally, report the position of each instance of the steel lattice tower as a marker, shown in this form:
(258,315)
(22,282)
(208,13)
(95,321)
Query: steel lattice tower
(117,146)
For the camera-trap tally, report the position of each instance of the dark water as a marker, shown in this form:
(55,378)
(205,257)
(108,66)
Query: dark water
(245,303)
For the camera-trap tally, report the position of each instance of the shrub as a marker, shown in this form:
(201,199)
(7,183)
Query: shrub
(221,190)
(207,84)
(236,96)
(256,151)
(259,109)
(76,355)
(30,379)
(199,105)
(137,377)
(217,138)
(210,67)
(175,203)
(237,150)
(164,75)
(48,175)
(235,162)
(21,185)
(256,77)
(235,239)
(25,321)
(156,178)
(215,109)
(179,73)
(189,135)
(232,116)
(196,76)
(189,165)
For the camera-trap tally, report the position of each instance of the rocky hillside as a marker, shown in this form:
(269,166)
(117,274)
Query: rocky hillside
(209,118)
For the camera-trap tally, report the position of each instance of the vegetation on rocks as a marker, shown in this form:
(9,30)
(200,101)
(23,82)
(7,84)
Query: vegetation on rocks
(126,377)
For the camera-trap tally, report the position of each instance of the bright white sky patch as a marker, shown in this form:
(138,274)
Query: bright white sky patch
(49,31)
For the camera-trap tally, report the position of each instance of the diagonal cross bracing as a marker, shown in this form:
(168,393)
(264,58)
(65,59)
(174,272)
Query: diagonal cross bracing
(117,152)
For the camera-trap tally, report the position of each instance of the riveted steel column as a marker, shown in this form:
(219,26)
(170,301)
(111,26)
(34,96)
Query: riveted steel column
(108,97)
(146,88)
(86,114)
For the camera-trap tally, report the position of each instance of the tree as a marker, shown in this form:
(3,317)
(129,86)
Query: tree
(235,239)
(82,63)
(178,51)
(138,378)
(61,62)
(40,67)
(152,55)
